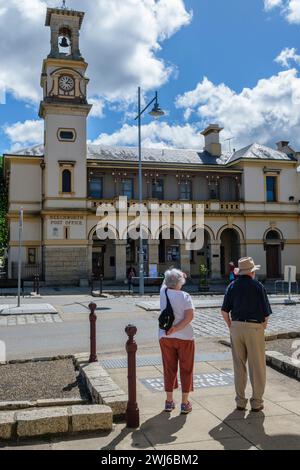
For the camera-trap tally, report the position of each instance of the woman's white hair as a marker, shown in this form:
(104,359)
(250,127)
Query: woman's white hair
(174,278)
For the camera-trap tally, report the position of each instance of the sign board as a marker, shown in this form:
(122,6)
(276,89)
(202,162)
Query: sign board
(66,221)
(293,273)
(21,218)
(153,270)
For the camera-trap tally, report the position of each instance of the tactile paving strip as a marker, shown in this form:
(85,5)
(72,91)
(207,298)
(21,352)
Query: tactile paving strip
(143,361)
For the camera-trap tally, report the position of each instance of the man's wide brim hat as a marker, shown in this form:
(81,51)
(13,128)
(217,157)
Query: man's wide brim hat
(247,265)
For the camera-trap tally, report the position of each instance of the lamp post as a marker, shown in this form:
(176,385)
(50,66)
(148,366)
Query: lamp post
(21,223)
(156,113)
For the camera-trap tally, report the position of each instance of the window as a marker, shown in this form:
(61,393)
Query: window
(96,187)
(31,255)
(130,251)
(271,183)
(186,191)
(66,135)
(173,253)
(66,181)
(162,250)
(228,189)
(127,188)
(158,189)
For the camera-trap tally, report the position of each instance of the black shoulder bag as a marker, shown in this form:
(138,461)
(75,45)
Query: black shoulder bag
(166,318)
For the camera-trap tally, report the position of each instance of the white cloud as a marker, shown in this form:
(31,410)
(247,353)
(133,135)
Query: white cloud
(270,4)
(287,56)
(268,112)
(24,134)
(155,135)
(98,107)
(293,11)
(119,39)
(289,8)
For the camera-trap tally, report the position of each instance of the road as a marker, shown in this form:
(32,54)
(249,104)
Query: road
(68,332)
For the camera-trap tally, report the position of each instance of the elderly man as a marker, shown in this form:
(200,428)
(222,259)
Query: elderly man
(246,310)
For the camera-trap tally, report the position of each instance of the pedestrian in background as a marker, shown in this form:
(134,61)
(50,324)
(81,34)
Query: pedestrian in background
(131,273)
(246,310)
(232,270)
(177,344)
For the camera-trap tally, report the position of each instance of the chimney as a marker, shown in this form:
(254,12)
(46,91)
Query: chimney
(212,139)
(282,145)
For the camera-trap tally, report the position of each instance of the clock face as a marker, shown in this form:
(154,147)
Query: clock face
(66,83)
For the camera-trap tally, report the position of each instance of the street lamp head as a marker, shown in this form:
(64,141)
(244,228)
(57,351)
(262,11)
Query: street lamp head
(157,112)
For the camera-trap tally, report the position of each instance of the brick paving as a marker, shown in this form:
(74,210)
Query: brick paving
(209,322)
(21,320)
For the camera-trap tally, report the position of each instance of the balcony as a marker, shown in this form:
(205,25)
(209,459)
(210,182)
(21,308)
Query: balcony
(209,206)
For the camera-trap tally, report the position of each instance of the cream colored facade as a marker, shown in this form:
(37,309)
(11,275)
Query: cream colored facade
(251,197)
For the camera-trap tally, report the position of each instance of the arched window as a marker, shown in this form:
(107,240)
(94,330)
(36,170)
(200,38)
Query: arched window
(273,235)
(65,41)
(66,181)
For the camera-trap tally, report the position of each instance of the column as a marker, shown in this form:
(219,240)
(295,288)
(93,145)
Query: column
(215,254)
(185,258)
(120,259)
(153,251)
(243,249)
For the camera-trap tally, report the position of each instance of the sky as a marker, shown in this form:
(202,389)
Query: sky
(231,62)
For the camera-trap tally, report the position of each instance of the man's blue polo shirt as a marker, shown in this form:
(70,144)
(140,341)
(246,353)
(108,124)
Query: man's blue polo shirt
(246,299)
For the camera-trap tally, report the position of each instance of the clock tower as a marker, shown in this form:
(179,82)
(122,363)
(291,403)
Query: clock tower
(64,109)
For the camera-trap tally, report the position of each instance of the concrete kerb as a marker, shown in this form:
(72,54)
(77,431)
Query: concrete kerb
(278,361)
(42,422)
(101,386)
(7,310)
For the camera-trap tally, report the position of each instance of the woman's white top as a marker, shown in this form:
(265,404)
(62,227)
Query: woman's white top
(180,301)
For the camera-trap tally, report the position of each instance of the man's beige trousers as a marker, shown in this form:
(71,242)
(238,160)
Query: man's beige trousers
(248,343)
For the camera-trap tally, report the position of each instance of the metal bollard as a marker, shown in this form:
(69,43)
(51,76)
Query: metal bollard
(38,284)
(101,284)
(132,411)
(92,285)
(93,346)
(34,284)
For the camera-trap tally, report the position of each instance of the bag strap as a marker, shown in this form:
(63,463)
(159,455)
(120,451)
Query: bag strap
(168,300)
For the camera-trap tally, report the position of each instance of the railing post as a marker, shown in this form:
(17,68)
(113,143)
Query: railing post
(93,319)
(132,411)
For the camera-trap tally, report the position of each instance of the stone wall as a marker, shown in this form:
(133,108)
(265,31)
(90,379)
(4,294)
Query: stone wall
(66,265)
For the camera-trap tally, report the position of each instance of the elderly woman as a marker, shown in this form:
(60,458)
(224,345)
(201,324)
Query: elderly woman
(177,345)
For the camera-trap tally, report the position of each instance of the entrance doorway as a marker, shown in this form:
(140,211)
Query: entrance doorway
(103,258)
(230,249)
(273,254)
(98,262)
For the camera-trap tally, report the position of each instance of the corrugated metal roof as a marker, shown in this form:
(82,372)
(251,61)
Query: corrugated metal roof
(35,151)
(175,156)
(259,152)
(178,156)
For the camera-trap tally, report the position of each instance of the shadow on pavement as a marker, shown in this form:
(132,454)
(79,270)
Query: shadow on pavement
(161,429)
(253,433)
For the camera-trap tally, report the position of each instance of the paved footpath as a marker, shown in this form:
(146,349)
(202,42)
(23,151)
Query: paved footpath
(213,424)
